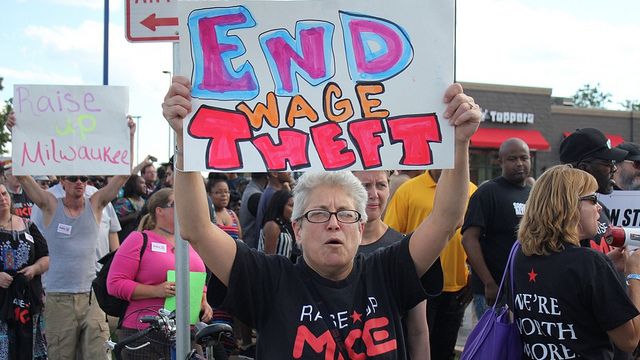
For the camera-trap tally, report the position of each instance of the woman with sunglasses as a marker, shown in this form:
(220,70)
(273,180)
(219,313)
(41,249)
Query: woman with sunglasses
(143,280)
(569,299)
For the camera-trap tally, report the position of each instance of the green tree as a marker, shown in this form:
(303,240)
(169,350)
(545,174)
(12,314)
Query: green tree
(589,96)
(5,136)
(631,105)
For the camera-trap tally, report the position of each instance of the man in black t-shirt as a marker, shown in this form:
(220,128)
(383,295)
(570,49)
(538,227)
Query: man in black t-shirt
(490,225)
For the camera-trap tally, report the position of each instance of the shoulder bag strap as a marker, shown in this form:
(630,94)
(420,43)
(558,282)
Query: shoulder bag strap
(144,244)
(512,258)
(507,270)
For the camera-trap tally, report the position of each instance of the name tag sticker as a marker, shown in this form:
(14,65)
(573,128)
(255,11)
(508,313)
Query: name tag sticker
(64,229)
(158,247)
(29,237)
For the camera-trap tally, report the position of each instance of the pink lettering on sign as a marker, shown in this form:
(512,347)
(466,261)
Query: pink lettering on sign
(365,134)
(224,129)
(415,132)
(293,148)
(376,49)
(50,152)
(332,150)
(308,55)
(218,73)
(59,101)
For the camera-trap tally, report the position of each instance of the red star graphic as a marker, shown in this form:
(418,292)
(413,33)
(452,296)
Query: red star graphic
(532,276)
(356,316)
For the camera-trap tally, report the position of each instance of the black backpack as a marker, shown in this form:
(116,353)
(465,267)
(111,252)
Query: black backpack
(110,304)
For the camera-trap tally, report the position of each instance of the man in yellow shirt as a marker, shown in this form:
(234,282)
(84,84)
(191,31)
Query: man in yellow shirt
(410,205)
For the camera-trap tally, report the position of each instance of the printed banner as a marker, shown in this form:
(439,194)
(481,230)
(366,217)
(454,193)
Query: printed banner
(624,207)
(70,130)
(317,85)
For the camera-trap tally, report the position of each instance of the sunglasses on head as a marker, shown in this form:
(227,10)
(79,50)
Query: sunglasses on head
(76,178)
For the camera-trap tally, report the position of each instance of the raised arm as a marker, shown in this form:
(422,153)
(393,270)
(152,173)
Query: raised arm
(214,246)
(110,191)
(452,192)
(44,199)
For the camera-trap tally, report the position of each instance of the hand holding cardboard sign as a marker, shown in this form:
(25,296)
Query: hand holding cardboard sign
(177,103)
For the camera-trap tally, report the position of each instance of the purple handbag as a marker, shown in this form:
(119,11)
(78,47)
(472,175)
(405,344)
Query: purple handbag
(496,335)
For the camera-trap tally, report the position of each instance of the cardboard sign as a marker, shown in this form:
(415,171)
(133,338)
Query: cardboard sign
(624,207)
(317,85)
(70,130)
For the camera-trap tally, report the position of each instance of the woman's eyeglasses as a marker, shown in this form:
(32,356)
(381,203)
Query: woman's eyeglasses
(169,206)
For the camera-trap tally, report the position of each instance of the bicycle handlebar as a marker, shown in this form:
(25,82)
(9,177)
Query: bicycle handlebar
(122,343)
(156,323)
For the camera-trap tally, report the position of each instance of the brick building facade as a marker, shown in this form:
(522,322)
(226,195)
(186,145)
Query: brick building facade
(540,120)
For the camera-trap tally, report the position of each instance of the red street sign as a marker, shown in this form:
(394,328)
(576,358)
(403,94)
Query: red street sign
(151,20)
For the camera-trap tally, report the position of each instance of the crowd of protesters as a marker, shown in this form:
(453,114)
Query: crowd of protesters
(424,258)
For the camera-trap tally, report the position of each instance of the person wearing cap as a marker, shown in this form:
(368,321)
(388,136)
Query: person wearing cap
(628,175)
(588,149)
(43,181)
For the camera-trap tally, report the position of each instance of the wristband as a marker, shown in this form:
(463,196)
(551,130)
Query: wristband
(632,277)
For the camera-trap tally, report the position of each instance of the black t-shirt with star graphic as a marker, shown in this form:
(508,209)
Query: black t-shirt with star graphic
(566,302)
(496,207)
(273,295)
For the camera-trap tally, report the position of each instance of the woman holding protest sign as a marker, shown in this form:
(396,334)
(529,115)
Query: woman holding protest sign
(290,305)
(568,299)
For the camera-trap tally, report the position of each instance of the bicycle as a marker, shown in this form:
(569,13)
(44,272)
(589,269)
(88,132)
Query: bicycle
(210,337)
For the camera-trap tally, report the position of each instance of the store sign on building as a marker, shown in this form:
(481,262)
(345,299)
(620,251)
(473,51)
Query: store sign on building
(507,117)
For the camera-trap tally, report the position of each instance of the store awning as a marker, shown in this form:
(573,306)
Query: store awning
(492,138)
(615,139)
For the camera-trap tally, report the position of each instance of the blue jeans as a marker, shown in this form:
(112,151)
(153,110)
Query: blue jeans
(479,305)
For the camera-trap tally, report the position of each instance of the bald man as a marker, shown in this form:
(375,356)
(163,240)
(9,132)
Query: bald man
(493,214)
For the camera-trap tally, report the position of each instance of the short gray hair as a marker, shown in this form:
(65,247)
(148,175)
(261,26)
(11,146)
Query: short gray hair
(341,179)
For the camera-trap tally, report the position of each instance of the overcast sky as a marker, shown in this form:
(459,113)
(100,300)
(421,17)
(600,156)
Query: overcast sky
(560,45)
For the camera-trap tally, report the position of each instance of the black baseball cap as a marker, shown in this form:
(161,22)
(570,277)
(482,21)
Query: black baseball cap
(632,148)
(588,143)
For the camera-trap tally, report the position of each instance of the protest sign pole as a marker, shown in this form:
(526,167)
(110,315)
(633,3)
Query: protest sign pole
(183,342)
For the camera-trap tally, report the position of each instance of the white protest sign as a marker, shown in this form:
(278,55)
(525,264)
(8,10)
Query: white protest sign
(70,130)
(317,85)
(624,207)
